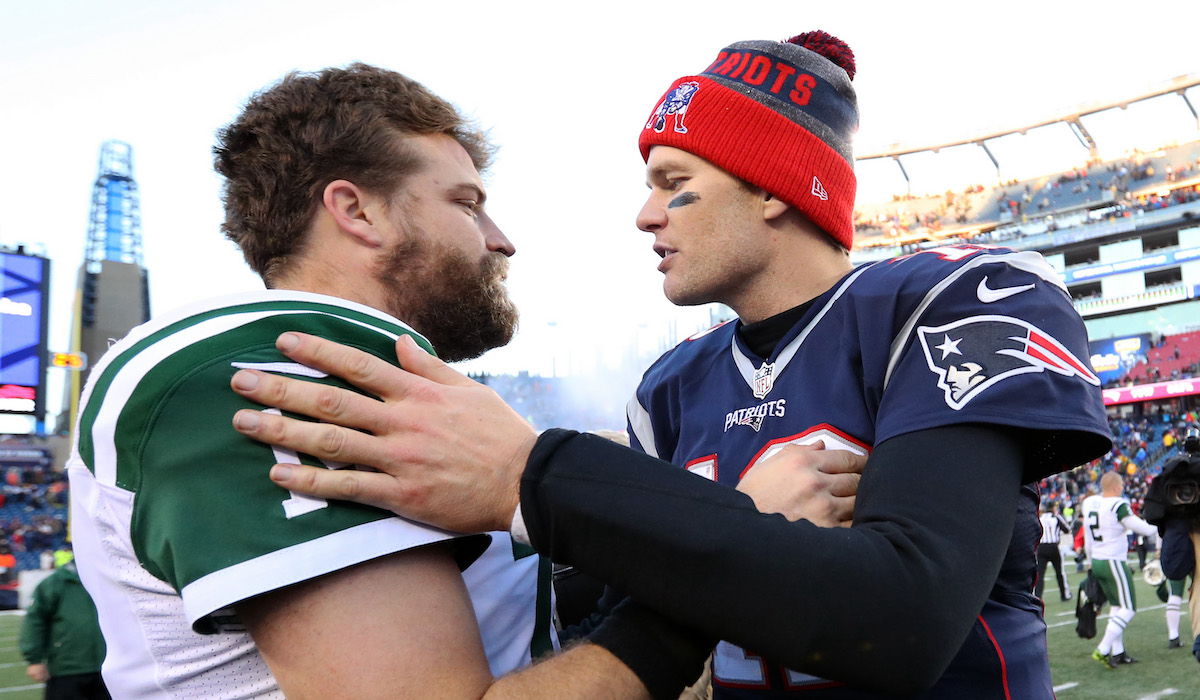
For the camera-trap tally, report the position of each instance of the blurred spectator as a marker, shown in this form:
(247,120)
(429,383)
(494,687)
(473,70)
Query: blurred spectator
(8,564)
(63,555)
(61,640)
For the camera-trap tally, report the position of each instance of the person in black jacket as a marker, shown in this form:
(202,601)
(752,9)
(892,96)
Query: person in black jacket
(1180,547)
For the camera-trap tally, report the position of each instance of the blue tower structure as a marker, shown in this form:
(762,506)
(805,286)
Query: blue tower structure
(114,250)
(112,290)
(115,232)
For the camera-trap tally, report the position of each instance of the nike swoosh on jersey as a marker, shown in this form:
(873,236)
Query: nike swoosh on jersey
(988,295)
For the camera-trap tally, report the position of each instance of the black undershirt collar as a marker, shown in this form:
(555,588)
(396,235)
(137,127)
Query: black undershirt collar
(762,337)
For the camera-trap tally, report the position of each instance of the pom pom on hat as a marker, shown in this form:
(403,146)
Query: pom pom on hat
(828,46)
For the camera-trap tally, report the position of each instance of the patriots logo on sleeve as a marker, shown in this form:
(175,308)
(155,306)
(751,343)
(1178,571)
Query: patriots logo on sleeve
(974,353)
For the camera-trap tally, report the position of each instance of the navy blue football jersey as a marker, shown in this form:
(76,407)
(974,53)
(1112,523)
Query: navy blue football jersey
(952,335)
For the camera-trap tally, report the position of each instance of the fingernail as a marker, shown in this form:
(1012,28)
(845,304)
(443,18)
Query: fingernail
(281,472)
(246,381)
(287,342)
(408,340)
(246,420)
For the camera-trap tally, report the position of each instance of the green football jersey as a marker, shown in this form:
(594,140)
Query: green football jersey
(175,520)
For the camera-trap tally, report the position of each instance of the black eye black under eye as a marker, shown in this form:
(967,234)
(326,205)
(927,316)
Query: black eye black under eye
(683,199)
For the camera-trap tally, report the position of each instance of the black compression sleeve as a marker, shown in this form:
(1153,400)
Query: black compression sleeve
(884,605)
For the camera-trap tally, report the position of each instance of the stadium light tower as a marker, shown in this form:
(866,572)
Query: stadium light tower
(115,230)
(112,292)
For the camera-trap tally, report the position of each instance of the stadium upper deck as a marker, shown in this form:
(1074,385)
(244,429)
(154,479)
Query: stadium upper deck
(1146,208)
(907,222)
(1089,193)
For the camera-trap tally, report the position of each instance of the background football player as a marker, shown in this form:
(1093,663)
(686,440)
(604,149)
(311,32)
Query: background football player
(1107,521)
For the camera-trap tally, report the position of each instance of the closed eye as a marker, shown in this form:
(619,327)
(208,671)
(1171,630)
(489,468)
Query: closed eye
(667,184)
(668,180)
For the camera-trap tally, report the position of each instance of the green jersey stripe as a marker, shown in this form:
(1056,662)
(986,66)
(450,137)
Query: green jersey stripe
(261,302)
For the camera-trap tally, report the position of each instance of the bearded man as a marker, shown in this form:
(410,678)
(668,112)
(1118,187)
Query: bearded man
(356,195)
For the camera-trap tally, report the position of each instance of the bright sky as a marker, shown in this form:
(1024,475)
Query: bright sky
(564,89)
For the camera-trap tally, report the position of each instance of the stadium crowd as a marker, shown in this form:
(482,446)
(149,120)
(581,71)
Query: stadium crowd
(1169,358)
(33,507)
(1141,446)
(1128,186)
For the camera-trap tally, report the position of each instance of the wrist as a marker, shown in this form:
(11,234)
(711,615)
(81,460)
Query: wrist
(509,511)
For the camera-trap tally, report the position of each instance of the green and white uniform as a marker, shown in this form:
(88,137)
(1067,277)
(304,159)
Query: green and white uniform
(175,520)
(1106,520)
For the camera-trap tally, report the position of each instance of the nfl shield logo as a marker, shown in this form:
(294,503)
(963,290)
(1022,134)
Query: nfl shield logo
(763,380)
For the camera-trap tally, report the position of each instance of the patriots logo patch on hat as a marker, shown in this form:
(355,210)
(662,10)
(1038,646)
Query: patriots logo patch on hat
(975,353)
(675,103)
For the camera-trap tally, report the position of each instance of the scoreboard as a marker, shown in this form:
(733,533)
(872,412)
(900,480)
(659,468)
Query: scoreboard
(24,318)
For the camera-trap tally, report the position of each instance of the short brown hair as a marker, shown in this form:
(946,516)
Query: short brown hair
(309,129)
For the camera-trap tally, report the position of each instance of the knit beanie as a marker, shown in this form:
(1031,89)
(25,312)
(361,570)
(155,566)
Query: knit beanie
(779,115)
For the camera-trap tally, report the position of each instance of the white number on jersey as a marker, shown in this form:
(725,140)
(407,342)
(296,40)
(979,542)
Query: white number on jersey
(299,504)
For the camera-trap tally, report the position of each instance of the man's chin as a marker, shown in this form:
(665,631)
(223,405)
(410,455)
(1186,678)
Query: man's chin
(497,335)
(683,297)
(502,338)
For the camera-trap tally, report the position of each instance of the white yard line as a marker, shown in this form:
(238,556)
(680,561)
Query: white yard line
(1071,614)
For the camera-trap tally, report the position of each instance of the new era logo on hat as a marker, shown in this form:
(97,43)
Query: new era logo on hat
(818,190)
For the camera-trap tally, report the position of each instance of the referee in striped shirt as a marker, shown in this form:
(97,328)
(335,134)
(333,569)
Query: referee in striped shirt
(1053,527)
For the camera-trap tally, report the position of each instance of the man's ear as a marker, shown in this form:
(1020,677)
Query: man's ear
(773,207)
(355,211)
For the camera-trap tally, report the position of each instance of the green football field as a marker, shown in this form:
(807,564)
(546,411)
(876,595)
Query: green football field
(1161,673)
(14,684)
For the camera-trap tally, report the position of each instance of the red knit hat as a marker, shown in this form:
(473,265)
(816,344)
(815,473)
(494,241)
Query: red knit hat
(779,115)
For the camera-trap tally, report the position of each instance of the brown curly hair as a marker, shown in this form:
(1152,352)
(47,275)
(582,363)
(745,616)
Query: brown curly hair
(309,129)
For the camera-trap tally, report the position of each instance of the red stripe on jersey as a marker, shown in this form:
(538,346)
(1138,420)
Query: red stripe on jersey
(999,655)
(1064,357)
(693,466)
(1035,351)
(821,427)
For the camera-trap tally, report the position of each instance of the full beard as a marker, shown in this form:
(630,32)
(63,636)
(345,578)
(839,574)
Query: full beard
(461,306)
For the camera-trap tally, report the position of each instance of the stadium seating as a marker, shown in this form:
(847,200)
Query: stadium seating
(1164,363)
(33,509)
(1135,180)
